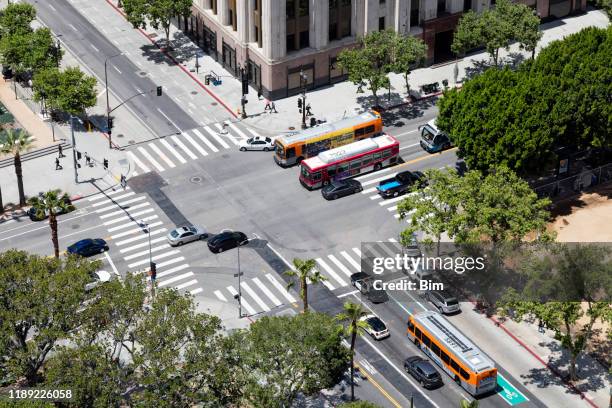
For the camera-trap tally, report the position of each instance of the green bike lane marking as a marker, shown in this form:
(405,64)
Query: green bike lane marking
(508,392)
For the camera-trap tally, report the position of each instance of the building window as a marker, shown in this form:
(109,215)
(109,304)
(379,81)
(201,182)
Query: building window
(304,39)
(467,5)
(255,5)
(333,4)
(414,13)
(291,42)
(233,19)
(381,2)
(339,24)
(381,24)
(213,4)
(297,25)
(256,15)
(442,6)
(290,9)
(303,8)
(345,3)
(333,32)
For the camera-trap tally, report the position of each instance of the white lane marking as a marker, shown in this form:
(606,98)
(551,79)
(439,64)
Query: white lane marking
(117,69)
(280,288)
(128,217)
(162,155)
(150,159)
(354,263)
(169,120)
(139,163)
(205,140)
(357,251)
(73,27)
(340,265)
(51,7)
(143,244)
(170,262)
(152,217)
(101,93)
(142,236)
(228,135)
(120,204)
(113,199)
(112,264)
(255,297)
(196,291)
(406,133)
(187,284)
(243,301)
(409,146)
(194,144)
(156,257)
(220,296)
(267,292)
(175,279)
(347,294)
(146,252)
(173,151)
(172,270)
(216,137)
(114,213)
(331,272)
(237,130)
(185,148)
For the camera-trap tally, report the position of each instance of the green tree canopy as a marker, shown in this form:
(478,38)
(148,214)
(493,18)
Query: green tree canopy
(157,13)
(359,404)
(16,19)
(29,50)
(70,90)
(408,53)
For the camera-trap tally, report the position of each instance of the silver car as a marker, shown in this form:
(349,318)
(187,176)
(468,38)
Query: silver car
(257,143)
(183,235)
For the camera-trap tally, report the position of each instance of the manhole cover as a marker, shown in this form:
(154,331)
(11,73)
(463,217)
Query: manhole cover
(131,142)
(194,92)
(142,73)
(214,103)
(291,128)
(76,226)
(196,179)
(120,135)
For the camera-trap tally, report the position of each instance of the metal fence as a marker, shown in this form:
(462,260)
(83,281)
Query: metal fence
(574,185)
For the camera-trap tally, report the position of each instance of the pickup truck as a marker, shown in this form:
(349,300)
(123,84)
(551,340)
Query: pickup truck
(400,183)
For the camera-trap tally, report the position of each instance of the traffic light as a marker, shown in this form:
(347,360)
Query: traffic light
(153,268)
(300,103)
(313,122)
(105,164)
(78,155)
(159,91)
(207,80)
(110,123)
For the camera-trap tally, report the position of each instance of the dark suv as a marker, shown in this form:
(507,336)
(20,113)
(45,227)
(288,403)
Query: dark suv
(423,371)
(227,240)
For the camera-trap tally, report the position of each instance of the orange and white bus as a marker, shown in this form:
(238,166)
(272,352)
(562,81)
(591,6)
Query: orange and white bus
(349,161)
(293,148)
(453,352)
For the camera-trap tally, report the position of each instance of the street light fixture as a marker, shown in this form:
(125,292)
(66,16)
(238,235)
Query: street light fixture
(108,122)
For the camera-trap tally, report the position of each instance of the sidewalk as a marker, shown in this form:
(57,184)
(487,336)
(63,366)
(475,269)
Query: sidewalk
(335,101)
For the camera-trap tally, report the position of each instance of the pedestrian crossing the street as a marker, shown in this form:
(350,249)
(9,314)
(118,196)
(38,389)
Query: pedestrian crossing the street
(167,153)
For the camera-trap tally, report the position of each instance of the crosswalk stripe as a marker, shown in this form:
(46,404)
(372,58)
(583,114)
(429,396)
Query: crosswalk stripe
(120,204)
(220,296)
(243,301)
(180,144)
(369,190)
(128,217)
(195,145)
(331,272)
(376,173)
(392,208)
(172,270)
(280,288)
(373,197)
(142,236)
(175,279)
(123,211)
(216,137)
(196,291)
(340,265)
(253,132)
(170,262)
(255,296)
(105,194)
(187,284)
(128,224)
(205,140)
(376,180)
(134,230)
(354,263)
(173,150)
(139,163)
(393,200)
(267,292)
(328,285)
(228,134)
(150,159)
(146,252)
(237,130)
(114,199)
(142,244)
(156,257)
(358,252)
(162,155)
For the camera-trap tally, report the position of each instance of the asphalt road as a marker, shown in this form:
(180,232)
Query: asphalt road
(160,113)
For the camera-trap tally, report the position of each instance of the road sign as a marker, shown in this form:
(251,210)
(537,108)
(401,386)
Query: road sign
(508,392)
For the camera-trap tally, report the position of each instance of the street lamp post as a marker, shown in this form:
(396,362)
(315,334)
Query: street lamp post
(303,83)
(108,122)
(147,230)
(74,154)
(239,295)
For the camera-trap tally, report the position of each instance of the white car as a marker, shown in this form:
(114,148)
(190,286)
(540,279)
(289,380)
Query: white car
(188,233)
(98,278)
(375,327)
(257,143)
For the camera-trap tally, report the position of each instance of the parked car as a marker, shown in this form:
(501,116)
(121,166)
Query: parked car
(422,274)
(227,240)
(423,371)
(88,247)
(375,327)
(444,301)
(36,215)
(98,278)
(257,143)
(340,188)
(183,235)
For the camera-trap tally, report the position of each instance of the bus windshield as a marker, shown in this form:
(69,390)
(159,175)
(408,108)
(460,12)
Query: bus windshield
(280,151)
(428,133)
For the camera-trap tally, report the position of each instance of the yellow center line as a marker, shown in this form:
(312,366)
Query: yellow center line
(428,156)
(377,385)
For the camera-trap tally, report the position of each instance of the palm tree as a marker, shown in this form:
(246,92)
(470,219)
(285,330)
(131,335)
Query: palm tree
(16,142)
(352,315)
(306,273)
(51,203)
(468,404)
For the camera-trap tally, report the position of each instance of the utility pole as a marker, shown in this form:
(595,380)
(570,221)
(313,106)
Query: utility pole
(244,78)
(239,296)
(108,110)
(74,154)
(303,82)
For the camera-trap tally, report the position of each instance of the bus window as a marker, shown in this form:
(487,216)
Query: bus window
(359,132)
(410,326)
(435,349)
(464,374)
(342,168)
(444,357)
(316,176)
(367,160)
(455,366)
(331,171)
(291,152)
(417,332)
(356,164)
(377,156)
(369,129)
(426,340)
(386,153)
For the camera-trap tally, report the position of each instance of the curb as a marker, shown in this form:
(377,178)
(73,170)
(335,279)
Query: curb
(168,55)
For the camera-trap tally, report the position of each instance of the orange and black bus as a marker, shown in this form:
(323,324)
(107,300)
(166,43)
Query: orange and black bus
(453,352)
(293,148)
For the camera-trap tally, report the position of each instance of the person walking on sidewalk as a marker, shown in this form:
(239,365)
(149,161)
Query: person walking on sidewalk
(58,166)
(273,107)
(60,151)
(267,107)
(541,326)
(87,160)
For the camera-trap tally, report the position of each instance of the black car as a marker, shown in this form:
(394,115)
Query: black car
(377,295)
(88,247)
(363,282)
(359,279)
(423,371)
(227,240)
(36,215)
(340,188)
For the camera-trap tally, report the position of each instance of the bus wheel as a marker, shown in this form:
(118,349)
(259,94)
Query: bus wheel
(416,342)
(377,166)
(326,182)
(243,149)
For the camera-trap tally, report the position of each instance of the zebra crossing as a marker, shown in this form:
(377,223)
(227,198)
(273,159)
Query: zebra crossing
(121,212)
(164,154)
